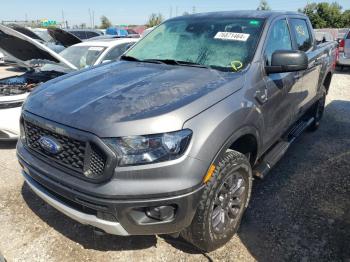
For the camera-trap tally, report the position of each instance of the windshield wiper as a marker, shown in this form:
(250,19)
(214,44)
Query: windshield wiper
(165,61)
(178,62)
(129,58)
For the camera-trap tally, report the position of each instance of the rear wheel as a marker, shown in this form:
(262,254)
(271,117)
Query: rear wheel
(318,110)
(223,202)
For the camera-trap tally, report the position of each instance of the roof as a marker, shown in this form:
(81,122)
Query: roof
(108,42)
(242,14)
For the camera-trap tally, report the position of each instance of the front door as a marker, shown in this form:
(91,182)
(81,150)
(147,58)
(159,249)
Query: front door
(282,90)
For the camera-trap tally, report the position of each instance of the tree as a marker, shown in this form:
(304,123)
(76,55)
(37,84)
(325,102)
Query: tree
(263,6)
(186,13)
(323,15)
(154,19)
(346,18)
(105,23)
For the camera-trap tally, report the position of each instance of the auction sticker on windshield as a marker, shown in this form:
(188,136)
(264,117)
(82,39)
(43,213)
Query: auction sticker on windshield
(232,36)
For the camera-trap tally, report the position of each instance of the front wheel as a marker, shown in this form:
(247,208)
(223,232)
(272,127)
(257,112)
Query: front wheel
(223,202)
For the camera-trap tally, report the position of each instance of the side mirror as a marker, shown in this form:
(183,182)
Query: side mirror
(287,61)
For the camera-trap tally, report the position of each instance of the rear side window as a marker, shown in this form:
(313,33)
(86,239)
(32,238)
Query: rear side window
(278,39)
(348,36)
(302,34)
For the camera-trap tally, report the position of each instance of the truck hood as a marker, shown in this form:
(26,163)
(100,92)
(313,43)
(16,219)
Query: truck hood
(65,38)
(27,51)
(131,98)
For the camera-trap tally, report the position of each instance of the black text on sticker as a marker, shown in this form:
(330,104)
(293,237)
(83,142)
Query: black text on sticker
(232,36)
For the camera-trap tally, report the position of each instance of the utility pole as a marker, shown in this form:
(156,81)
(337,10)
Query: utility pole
(90,17)
(93,18)
(63,20)
(193,9)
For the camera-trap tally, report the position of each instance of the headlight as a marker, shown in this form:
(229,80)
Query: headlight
(138,150)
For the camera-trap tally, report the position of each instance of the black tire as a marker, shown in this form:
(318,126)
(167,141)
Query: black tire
(318,110)
(202,233)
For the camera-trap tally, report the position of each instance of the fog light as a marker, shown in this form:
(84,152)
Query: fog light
(161,212)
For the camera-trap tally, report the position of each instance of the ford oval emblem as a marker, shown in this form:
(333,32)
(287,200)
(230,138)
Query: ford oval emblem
(50,145)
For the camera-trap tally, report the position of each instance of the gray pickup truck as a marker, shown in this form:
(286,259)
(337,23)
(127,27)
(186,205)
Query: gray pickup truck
(167,140)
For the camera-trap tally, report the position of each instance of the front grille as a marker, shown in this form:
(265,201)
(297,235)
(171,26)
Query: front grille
(79,156)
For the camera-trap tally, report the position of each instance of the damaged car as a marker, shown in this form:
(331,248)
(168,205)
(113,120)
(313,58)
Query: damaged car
(43,64)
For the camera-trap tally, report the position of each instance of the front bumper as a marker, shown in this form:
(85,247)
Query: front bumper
(115,215)
(108,226)
(343,60)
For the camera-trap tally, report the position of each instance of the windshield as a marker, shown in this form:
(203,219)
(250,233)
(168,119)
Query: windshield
(225,43)
(82,56)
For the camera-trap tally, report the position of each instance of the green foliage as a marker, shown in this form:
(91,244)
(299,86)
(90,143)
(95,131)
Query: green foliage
(154,19)
(325,15)
(105,23)
(346,18)
(263,6)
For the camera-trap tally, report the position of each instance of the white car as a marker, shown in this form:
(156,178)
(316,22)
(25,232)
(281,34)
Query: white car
(2,58)
(44,64)
(147,31)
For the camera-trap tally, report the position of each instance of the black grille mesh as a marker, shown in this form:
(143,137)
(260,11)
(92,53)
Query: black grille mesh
(73,152)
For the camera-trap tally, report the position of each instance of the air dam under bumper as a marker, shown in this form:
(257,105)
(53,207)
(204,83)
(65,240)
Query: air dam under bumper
(107,226)
(126,216)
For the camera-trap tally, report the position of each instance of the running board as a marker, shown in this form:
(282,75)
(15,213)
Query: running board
(278,151)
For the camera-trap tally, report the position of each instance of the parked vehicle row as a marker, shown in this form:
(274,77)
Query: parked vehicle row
(167,139)
(44,64)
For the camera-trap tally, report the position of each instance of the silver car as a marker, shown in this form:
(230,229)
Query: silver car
(344,51)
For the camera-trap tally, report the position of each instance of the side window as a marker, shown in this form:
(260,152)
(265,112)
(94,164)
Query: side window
(302,35)
(278,39)
(116,52)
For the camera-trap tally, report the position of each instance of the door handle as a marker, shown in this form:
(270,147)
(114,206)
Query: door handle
(318,61)
(261,96)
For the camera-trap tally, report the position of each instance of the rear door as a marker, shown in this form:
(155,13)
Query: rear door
(304,41)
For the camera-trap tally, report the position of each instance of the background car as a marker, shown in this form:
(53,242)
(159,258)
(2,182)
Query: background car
(147,31)
(344,51)
(85,33)
(41,36)
(43,64)
(90,53)
(115,30)
(132,33)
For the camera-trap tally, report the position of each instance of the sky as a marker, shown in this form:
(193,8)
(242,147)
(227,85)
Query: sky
(131,11)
